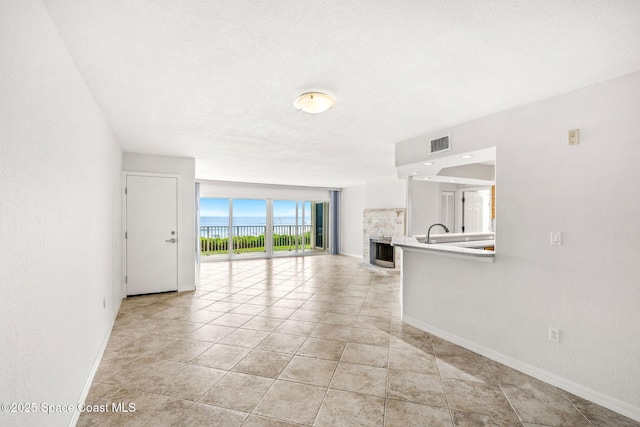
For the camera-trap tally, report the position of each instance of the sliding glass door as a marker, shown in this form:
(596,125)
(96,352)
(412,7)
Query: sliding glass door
(214,229)
(299,227)
(288,227)
(246,228)
(319,225)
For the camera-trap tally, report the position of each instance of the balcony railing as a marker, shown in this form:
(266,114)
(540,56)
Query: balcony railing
(214,239)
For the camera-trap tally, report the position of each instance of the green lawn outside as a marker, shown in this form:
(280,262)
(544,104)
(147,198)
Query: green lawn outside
(253,250)
(249,244)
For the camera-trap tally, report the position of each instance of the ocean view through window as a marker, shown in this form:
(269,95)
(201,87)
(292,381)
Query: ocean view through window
(248,228)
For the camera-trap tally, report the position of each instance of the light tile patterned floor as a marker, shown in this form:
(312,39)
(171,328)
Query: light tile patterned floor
(313,341)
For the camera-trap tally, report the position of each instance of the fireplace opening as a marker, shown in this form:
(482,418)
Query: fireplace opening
(381,252)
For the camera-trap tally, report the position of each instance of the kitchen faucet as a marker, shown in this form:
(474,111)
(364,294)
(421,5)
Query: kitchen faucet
(429,231)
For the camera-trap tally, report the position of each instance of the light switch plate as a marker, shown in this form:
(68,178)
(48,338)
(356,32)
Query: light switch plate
(556,238)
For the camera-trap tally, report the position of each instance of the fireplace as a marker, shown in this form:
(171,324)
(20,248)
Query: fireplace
(376,223)
(381,252)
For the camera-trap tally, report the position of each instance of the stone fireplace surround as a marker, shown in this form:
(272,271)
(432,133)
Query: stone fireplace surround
(389,222)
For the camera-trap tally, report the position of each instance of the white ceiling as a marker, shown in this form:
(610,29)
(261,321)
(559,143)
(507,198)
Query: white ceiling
(215,80)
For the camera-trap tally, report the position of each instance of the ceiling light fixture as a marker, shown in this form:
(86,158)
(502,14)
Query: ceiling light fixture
(467,156)
(313,102)
(428,163)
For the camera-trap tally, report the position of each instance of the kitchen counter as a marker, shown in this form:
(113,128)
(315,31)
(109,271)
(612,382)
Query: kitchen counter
(462,249)
(457,237)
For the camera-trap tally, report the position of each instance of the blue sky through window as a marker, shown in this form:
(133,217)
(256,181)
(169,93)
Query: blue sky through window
(250,208)
(214,207)
(286,208)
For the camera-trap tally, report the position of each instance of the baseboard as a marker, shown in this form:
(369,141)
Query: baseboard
(96,365)
(553,379)
(352,255)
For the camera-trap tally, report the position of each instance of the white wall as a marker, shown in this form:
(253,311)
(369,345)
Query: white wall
(186,169)
(352,205)
(262,191)
(386,193)
(423,206)
(60,220)
(588,287)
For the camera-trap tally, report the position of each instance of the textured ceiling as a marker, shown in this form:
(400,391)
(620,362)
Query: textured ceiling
(215,80)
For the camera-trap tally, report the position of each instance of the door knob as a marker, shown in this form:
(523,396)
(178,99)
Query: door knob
(171,240)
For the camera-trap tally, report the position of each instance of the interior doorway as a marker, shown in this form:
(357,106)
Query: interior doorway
(476,210)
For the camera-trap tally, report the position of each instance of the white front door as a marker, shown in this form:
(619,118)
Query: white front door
(151,234)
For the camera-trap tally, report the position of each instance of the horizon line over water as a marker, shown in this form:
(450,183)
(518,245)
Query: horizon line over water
(239,221)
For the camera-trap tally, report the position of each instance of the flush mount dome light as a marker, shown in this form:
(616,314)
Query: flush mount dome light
(313,102)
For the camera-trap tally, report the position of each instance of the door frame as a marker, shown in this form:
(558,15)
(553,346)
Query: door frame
(123,186)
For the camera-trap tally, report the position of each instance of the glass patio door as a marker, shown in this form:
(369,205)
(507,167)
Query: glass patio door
(248,228)
(299,227)
(288,220)
(214,229)
(319,225)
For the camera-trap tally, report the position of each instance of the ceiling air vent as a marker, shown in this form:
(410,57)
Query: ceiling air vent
(441,144)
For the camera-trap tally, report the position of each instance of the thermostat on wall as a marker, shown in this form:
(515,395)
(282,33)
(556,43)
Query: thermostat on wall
(574,137)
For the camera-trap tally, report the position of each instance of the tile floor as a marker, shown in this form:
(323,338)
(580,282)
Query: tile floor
(313,341)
